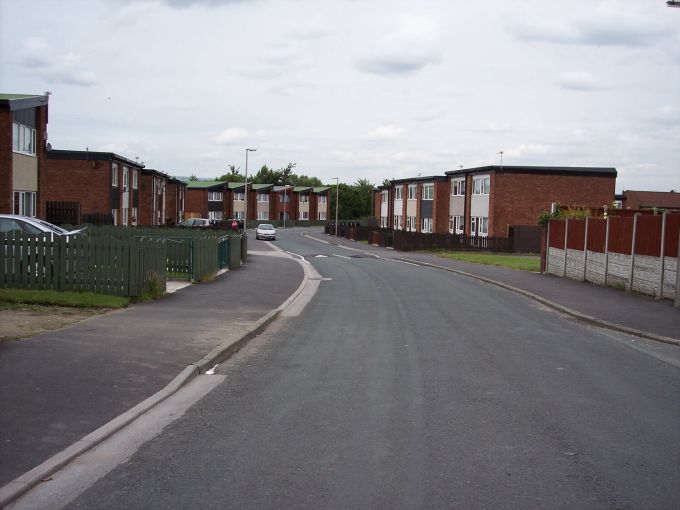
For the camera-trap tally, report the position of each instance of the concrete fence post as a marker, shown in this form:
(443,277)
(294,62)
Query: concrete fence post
(606,251)
(632,253)
(585,250)
(662,265)
(566,231)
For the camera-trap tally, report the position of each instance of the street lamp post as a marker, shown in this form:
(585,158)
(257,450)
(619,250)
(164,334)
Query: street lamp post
(245,192)
(501,153)
(337,194)
(285,204)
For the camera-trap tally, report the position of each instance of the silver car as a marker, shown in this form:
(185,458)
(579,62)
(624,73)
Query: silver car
(35,226)
(265,231)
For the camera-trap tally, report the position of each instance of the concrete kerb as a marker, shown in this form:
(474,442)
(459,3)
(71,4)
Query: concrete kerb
(25,482)
(552,304)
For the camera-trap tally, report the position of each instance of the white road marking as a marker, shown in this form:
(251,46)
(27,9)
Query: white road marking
(341,256)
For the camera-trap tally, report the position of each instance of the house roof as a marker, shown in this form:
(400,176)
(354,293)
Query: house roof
(420,179)
(90,156)
(204,184)
(235,185)
(649,199)
(302,189)
(321,189)
(21,101)
(151,171)
(563,170)
(261,187)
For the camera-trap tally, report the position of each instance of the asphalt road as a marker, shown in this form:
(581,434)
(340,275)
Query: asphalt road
(407,387)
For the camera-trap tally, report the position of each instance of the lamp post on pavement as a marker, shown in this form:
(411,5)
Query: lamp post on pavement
(245,191)
(337,194)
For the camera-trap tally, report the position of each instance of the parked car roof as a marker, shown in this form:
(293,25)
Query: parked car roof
(26,222)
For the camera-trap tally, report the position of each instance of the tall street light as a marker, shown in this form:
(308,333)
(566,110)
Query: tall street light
(337,194)
(245,214)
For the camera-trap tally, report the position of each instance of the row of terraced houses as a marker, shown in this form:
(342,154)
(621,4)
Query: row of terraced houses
(488,201)
(88,186)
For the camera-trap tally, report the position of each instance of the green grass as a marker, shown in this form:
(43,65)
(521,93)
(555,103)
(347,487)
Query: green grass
(523,262)
(54,298)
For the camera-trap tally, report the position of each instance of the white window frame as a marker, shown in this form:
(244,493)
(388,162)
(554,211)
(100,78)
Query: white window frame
(285,198)
(411,224)
(215,215)
(412,192)
(322,216)
(238,215)
(397,222)
(114,175)
(263,198)
(428,191)
(303,216)
(384,196)
(323,199)
(427,226)
(398,192)
(304,199)
(135,178)
(23,139)
(458,187)
(262,215)
(479,226)
(384,222)
(134,217)
(239,196)
(114,213)
(23,202)
(481,185)
(126,178)
(215,196)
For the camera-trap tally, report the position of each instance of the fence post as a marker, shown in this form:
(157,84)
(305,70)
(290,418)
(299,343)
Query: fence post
(606,251)
(547,249)
(566,231)
(632,253)
(663,258)
(585,250)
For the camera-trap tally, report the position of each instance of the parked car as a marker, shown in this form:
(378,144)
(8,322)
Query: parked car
(29,225)
(265,231)
(195,222)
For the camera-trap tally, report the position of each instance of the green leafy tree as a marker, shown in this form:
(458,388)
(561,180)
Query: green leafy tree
(232,176)
(193,177)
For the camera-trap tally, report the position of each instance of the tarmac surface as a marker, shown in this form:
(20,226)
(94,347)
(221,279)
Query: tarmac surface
(57,387)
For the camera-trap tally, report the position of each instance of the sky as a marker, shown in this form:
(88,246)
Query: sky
(356,89)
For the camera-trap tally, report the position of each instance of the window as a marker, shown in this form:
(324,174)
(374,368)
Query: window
(215,215)
(384,222)
(135,177)
(263,197)
(124,216)
(285,198)
(23,139)
(411,223)
(428,191)
(397,222)
(114,175)
(458,187)
(215,196)
(304,215)
(398,192)
(427,225)
(238,215)
(456,224)
(262,215)
(134,212)
(24,203)
(126,172)
(479,226)
(114,213)
(481,185)
(239,197)
(384,196)
(304,199)
(323,199)
(322,215)
(412,192)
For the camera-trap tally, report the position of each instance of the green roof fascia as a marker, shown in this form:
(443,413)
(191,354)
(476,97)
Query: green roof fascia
(321,189)
(10,97)
(234,185)
(203,184)
(301,189)
(256,187)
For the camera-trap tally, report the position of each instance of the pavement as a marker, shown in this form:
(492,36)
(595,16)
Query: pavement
(63,392)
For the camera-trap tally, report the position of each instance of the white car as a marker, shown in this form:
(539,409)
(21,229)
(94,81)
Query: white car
(265,231)
(29,225)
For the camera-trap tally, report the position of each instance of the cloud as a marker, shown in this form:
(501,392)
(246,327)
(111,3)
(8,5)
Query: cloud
(579,80)
(182,4)
(39,57)
(230,136)
(385,132)
(528,150)
(409,47)
(631,30)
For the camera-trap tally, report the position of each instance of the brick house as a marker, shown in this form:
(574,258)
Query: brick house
(383,206)
(416,205)
(486,201)
(320,203)
(174,200)
(631,199)
(23,139)
(263,200)
(302,196)
(284,206)
(206,199)
(105,184)
(153,198)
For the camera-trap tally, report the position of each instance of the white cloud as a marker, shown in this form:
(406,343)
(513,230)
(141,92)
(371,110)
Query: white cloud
(579,80)
(230,136)
(408,47)
(37,56)
(385,132)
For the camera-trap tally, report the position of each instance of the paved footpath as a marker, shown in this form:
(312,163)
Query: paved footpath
(57,387)
(628,310)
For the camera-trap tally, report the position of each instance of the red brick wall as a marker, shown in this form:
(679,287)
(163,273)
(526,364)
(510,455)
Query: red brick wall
(440,207)
(519,199)
(87,182)
(41,153)
(171,196)
(196,203)
(5,162)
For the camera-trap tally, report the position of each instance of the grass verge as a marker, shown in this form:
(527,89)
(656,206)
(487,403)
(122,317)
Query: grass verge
(523,262)
(54,298)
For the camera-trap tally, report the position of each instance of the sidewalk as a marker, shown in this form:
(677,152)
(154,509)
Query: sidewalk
(653,318)
(57,387)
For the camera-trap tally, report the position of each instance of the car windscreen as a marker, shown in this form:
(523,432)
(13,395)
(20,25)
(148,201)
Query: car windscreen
(266,227)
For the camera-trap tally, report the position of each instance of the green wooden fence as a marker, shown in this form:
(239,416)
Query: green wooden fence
(93,264)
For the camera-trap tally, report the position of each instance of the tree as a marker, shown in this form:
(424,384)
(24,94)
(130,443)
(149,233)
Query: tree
(355,200)
(232,176)
(193,177)
(265,175)
(387,182)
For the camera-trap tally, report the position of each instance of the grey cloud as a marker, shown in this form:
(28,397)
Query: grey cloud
(38,56)
(210,3)
(391,65)
(580,81)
